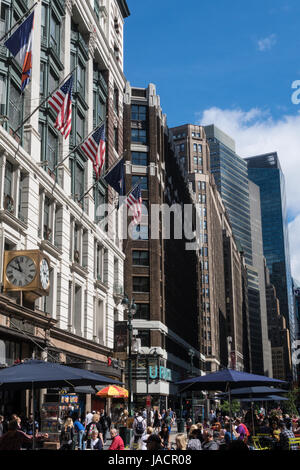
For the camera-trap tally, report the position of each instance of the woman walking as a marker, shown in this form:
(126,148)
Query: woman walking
(67,435)
(157,421)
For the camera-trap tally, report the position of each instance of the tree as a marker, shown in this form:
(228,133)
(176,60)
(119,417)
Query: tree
(235,407)
(290,405)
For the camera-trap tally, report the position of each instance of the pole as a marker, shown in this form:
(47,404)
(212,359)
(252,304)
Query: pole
(44,101)
(33,414)
(19,21)
(129,362)
(252,413)
(230,414)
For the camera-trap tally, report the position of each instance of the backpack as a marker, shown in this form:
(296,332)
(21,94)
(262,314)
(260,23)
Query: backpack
(139,430)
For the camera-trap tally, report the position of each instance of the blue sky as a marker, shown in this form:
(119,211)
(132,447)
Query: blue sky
(227,62)
(207,54)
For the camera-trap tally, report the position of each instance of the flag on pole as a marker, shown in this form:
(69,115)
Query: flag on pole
(61,102)
(134,199)
(20,45)
(116,177)
(94,148)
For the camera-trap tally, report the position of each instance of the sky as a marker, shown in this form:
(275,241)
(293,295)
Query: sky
(229,63)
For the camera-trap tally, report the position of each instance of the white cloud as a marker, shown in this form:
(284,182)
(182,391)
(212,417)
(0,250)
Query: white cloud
(265,44)
(255,133)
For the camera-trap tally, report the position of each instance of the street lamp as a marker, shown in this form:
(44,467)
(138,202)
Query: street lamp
(192,354)
(131,309)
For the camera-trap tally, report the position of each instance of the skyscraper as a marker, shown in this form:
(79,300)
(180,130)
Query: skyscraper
(231,177)
(265,171)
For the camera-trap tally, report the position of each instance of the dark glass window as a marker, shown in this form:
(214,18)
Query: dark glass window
(139,135)
(140,258)
(15,107)
(140,284)
(139,158)
(138,113)
(8,179)
(116,139)
(54,34)
(142,312)
(141,180)
(116,100)
(47,204)
(145,338)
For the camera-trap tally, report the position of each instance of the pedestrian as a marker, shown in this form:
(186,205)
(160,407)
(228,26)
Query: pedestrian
(105,422)
(285,435)
(145,437)
(29,425)
(139,429)
(79,432)
(154,442)
(88,418)
(194,442)
(157,421)
(66,437)
(164,434)
(209,443)
(242,430)
(188,423)
(15,439)
(227,436)
(93,426)
(168,420)
(181,442)
(96,443)
(117,441)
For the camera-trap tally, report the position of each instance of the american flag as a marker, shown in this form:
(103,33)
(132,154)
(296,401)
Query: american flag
(61,102)
(94,148)
(134,199)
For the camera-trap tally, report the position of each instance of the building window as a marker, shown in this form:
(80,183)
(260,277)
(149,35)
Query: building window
(140,284)
(141,180)
(139,135)
(140,258)
(200,161)
(182,147)
(99,254)
(139,158)
(140,232)
(138,113)
(116,139)
(199,148)
(8,180)
(55,33)
(195,147)
(47,219)
(144,335)
(15,108)
(97,8)
(142,312)
(116,101)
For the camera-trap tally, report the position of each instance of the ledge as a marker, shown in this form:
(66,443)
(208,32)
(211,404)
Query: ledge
(45,245)
(75,267)
(12,220)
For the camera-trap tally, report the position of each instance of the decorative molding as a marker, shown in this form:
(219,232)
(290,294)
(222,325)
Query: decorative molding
(69,5)
(92,39)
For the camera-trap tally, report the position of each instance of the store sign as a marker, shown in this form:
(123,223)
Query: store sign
(161,372)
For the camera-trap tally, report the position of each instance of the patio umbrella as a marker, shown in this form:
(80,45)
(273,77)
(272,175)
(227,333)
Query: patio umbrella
(113,391)
(253,392)
(266,398)
(226,380)
(41,374)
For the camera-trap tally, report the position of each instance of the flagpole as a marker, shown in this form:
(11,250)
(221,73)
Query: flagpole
(83,196)
(19,21)
(75,148)
(44,101)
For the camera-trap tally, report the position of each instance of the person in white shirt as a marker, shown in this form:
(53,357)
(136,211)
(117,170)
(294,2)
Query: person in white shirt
(96,443)
(88,418)
(139,429)
(144,438)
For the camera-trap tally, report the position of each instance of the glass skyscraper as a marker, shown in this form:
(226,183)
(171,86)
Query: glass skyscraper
(231,177)
(265,171)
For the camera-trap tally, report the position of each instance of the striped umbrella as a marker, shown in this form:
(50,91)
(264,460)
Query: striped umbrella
(113,391)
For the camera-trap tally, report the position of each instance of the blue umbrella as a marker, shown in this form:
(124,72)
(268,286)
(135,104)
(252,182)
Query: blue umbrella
(266,398)
(46,375)
(253,392)
(226,380)
(41,374)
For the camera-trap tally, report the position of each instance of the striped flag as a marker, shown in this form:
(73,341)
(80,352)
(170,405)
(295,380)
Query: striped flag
(20,45)
(61,102)
(94,148)
(134,199)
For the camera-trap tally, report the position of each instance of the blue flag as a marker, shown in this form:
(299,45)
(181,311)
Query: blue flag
(116,178)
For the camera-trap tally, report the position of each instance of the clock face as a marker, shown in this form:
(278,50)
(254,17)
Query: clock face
(44,274)
(21,271)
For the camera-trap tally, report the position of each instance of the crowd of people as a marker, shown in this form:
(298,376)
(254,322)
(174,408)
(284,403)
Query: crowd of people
(151,430)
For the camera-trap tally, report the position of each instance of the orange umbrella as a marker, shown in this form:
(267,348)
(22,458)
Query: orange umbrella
(113,391)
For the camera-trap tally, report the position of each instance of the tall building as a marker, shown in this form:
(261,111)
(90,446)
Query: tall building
(265,171)
(168,312)
(40,205)
(230,173)
(221,260)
